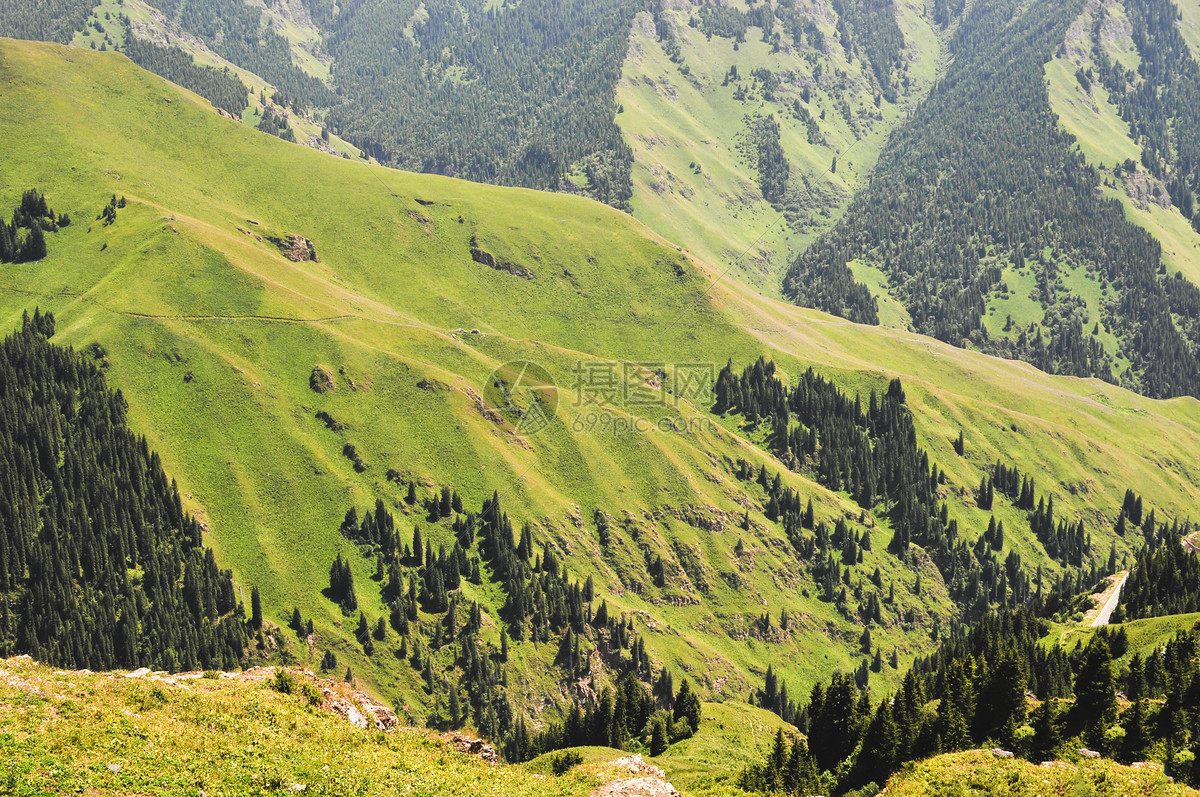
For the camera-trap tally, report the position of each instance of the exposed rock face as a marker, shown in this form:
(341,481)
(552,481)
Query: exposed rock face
(475,747)
(321,380)
(646,780)
(357,708)
(298,249)
(486,258)
(380,715)
(320,144)
(343,708)
(1146,190)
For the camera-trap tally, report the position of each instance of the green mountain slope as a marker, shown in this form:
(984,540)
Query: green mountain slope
(212,334)
(698,81)
(983,196)
(1087,109)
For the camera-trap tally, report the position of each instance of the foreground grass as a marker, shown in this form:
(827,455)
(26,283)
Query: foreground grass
(978,772)
(66,733)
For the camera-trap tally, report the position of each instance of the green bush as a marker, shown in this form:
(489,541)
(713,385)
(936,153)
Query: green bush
(561,764)
(284,682)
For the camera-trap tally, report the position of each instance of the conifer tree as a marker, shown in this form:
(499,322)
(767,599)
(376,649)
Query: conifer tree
(1095,707)
(687,706)
(658,737)
(256,617)
(1045,732)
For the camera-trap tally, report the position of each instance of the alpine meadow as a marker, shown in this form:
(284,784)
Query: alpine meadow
(605,398)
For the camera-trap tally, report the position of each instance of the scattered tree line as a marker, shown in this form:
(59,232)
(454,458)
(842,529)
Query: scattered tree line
(1160,99)
(276,124)
(1066,542)
(431,625)
(1011,483)
(631,714)
(108,214)
(44,20)
(542,74)
(1165,578)
(768,157)
(868,29)
(239,33)
(35,217)
(974,691)
(872,454)
(980,677)
(219,86)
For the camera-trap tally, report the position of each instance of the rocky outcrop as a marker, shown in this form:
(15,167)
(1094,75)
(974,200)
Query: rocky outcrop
(476,747)
(1146,190)
(486,258)
(321,145)
(645,780)
(295,248)
(321,380)
(300,250)
(383,718)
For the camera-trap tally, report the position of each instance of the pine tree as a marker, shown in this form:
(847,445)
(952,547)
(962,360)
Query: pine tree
(658,737)
(256,616)
(1045,732)
(1137,737)
(687,706)
(455,710)
(1095,706)
(363,632)
(34,247)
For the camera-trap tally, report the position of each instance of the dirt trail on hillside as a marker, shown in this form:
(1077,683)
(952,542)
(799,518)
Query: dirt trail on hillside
(1107,602)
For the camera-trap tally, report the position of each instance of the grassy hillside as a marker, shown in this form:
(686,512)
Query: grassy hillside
(212,335)
(1104,137)
(116,734)
(1145,636)
(688,123)
(978,772)
(147,733)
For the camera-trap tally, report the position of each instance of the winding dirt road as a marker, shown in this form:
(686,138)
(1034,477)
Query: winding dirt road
(1109,605)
